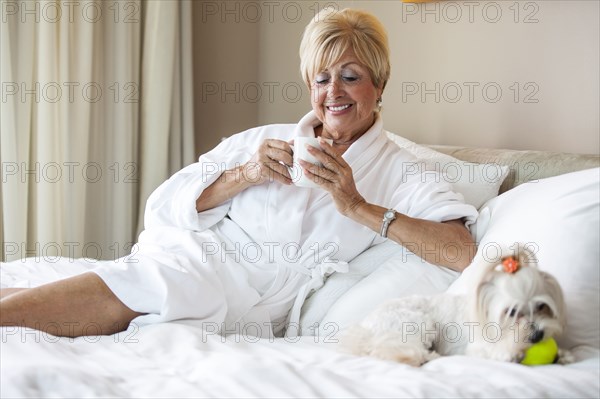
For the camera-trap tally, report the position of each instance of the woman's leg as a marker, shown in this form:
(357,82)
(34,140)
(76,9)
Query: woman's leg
(9,291)
(73,307)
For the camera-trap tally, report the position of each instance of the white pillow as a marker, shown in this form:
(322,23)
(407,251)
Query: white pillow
(477,182)
(401,275)
(558,218)
(317,305)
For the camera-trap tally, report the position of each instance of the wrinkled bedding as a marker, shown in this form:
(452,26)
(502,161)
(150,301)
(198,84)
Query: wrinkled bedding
(179,360)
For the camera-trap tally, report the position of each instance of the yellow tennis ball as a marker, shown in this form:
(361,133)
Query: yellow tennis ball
(544,352)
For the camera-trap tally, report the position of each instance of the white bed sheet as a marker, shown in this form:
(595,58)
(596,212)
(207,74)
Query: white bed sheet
(179,360)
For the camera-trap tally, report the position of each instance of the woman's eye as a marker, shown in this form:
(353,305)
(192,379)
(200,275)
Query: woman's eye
(325,79)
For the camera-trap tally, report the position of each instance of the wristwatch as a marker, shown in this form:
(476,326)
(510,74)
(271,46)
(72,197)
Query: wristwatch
(388,217)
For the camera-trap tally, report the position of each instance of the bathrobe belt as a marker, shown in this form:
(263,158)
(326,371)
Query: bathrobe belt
(317,275)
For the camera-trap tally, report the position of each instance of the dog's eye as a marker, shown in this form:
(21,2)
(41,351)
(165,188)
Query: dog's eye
(542,307)
(511,312)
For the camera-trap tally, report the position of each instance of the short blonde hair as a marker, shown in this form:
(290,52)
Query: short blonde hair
(332,32)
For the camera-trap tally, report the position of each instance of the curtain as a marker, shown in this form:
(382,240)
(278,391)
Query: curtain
(96,113)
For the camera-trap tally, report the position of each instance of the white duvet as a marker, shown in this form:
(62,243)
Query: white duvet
(180,360)
(177,360)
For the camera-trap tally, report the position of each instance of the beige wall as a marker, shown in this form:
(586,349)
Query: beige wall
(503,74)
(225,56)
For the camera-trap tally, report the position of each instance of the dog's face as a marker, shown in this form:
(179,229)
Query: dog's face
(525,304)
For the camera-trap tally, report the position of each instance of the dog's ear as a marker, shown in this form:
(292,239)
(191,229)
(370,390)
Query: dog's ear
(479,302)
(482,292)
(555,291)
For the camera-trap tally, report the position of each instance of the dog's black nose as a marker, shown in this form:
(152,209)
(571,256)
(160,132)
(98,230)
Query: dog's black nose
(536,336)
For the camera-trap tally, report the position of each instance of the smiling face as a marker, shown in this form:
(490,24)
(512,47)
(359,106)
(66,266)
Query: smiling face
(344,98)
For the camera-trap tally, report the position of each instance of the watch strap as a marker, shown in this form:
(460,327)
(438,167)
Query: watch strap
(388,217)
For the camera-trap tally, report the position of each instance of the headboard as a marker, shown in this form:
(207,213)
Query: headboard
(524,165)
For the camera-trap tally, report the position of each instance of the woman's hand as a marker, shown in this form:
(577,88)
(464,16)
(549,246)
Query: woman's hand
(335,176)
(269,163)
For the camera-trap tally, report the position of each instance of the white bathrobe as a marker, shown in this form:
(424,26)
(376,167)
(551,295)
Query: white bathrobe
(247,265)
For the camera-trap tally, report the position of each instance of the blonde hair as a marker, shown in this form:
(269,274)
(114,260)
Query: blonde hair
(332,32)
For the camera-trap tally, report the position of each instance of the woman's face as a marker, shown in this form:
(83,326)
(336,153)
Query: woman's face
(344,98)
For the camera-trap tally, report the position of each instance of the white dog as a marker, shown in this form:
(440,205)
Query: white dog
(512,306)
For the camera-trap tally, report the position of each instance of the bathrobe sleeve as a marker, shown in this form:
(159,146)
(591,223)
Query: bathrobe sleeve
(395,178)
(173,203)
(428,196)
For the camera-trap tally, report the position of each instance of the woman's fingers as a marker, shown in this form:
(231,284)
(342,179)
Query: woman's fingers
(269,163)
(335,176)
(279,158)
(279,172)
(279,151)
(319,174)
(259,172)
(328,157)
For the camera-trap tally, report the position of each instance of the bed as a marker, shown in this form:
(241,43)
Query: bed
(547,199)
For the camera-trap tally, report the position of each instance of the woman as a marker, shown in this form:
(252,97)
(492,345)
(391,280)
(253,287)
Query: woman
(231,241)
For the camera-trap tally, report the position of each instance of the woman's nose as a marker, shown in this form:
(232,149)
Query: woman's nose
(335,88)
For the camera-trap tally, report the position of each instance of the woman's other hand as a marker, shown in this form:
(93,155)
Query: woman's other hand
(335,176)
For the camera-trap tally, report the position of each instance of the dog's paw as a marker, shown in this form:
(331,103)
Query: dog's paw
(432,355)
(565,357)
(413,355)
(515,357)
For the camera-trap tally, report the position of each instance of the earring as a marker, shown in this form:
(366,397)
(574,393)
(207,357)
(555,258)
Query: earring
(379,104)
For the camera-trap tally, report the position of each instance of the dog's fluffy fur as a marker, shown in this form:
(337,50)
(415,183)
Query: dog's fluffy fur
(503,315)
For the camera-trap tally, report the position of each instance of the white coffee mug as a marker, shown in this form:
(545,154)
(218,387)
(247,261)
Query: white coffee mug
(301,152)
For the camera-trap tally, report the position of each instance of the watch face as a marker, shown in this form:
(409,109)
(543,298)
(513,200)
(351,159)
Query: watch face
(389,214)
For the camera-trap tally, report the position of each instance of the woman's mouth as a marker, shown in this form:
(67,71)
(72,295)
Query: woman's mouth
(338,108)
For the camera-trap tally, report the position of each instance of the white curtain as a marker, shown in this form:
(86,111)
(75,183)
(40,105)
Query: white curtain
(96,113)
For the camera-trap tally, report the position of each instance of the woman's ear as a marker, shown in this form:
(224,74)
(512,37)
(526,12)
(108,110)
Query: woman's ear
(380,90)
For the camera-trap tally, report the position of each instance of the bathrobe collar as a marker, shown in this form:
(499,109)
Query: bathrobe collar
(308,123)
(361,152)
